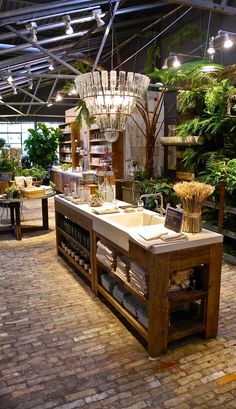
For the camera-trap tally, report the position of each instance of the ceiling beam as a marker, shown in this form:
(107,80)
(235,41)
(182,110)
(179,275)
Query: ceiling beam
(206,5)
(11,16)
(59,60)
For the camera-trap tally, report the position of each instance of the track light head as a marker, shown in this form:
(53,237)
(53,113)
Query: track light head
(68,28)
(98,19)
(228,43)
(51,64)
(211,49)
(58,97)
(32,28)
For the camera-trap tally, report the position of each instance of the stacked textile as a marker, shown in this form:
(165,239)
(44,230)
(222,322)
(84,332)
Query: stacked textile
(131,303)
(108,282)
(105,255)
(122,267)
(142,315)
(138,278)
(119,292)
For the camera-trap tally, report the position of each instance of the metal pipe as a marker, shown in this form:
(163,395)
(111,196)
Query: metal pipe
(59,60)
(11,48)
(105,36)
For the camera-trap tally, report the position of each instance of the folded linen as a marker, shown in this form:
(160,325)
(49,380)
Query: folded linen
(163,234)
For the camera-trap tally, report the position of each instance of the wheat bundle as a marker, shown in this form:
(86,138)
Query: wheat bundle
(192,196)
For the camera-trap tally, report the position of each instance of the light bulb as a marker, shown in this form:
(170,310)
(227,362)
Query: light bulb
(176,62)
(49,104)
(58,97)
(51,66)
(69,29)
(9,79)
(211,50)
(227,43)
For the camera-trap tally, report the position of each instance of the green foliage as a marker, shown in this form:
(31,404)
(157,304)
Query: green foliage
(218,96)
(163,186)
(183,36)
(220,168)
(36,172)
(6,165)
(2,142)
(153,53)
(65,166)
(83,114)
(42,144)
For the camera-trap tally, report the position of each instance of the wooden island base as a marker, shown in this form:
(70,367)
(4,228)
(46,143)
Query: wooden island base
(172,315)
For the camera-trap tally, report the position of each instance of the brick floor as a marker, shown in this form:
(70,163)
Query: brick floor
(62,348)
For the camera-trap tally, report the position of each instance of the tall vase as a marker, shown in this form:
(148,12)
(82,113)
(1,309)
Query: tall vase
(107,191)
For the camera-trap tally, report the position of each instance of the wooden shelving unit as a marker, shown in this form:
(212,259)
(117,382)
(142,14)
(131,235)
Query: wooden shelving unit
(97,145)
(69,147)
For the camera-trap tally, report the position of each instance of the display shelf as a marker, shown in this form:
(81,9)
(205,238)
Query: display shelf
(124,283)
(185,296)
(75,264)
(129,317)
(77,243)
(184,328)
(72,131)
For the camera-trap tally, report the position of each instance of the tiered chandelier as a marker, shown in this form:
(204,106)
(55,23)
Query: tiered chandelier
(111,97)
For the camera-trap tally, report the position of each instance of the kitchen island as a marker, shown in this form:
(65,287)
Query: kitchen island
(166,291)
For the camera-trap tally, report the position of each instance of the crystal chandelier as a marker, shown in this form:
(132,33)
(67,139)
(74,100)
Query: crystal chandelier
(111,97)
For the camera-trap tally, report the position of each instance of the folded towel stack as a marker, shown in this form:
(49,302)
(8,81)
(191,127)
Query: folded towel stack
(131,303)
(122,267)
(105,255)
(142,315)
(108,282)
(138,278)
(119,292)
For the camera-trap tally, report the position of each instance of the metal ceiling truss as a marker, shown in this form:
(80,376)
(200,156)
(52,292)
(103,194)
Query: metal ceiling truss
(33,64)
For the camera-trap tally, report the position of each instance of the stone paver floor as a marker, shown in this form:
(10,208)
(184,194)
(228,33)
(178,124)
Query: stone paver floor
(62,348)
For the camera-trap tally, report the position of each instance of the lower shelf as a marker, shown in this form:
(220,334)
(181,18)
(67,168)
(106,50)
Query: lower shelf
(74,263)
(143,332)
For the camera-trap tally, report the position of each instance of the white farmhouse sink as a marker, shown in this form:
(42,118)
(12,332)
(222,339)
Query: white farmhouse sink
(136,219)
(117,227)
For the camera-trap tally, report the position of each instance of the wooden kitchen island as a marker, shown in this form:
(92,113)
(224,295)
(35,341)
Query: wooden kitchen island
(171,315)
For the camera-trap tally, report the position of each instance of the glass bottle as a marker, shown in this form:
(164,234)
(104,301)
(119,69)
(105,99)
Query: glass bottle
(107,191)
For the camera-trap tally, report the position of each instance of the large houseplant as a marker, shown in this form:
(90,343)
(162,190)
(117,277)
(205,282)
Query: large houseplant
(42,144)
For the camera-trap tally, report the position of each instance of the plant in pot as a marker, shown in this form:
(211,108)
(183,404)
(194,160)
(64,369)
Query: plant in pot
(42,144)
(13,191)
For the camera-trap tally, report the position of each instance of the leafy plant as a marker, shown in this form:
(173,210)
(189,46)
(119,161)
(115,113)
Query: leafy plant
(42,144)
(183,35)
(7,165)
(83,114)
(36,172)
(153,53)
(2,142)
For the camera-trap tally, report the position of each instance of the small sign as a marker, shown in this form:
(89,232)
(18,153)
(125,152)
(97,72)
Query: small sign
(174,219)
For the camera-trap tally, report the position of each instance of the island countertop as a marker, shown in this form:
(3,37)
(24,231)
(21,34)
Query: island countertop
(122,235)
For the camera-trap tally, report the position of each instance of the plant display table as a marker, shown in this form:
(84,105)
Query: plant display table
(15,219)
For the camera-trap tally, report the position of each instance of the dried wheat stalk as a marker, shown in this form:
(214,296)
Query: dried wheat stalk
(192,196)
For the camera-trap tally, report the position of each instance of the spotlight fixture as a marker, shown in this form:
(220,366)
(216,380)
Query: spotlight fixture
(211,49)
(49,104)
(32,28)
(30,84)
(98,19)
(73,91)
(0,97)
(9,78)
(164,66)
(68,28)
(14,91)
(51,65)
(176,63)
(227,43)
(58,97)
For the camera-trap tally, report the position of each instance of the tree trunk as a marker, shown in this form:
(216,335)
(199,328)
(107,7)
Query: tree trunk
(150,148)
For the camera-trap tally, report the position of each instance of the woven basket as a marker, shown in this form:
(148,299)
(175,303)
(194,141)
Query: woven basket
(34,194)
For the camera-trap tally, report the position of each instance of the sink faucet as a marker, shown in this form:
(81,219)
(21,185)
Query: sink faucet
(160,209)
